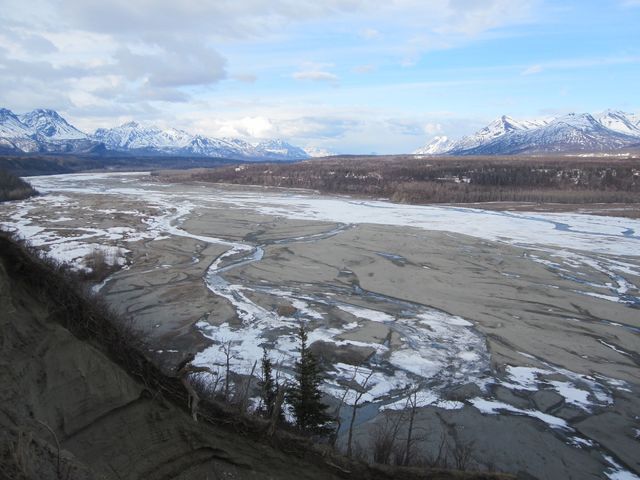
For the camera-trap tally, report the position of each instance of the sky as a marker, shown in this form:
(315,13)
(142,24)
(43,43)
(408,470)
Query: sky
(347,76)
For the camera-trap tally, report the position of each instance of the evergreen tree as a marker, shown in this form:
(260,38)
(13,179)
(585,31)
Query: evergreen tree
(305,396)
(268,388)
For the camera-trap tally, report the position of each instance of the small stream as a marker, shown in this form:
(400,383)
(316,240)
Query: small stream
(434,349)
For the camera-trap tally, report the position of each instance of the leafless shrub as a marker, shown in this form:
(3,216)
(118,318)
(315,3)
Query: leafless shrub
(20,453)
(440,457)
(361,389)
(98,264)
(243,390)
(463,454)
(228,354)
(384,438)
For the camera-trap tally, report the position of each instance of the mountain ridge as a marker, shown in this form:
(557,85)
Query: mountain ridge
(572,133)
(46,131)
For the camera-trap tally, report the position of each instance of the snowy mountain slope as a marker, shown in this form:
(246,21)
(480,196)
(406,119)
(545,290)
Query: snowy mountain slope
(439,144)
(133,136)
(46,131)
(43,131)
(279,149)
(504,125)
(49,125)
(571,133)
(620,122)
(610,130)
(218,147)
(11,126)
(317,152)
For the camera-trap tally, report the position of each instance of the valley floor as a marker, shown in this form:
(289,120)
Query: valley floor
(519,330)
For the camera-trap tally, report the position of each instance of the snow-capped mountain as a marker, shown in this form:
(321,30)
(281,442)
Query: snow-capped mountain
(620,122)
(219,147)
(500,127)
(11,126)
(279,149)
(46,131)
(134,137)
(439,144)
(50,125)
(42,131)
(317,152)
(610,130)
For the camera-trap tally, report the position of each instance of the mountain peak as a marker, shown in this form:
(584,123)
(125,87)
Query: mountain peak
(49,124)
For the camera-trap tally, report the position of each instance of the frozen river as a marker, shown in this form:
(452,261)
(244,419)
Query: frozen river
(432,298)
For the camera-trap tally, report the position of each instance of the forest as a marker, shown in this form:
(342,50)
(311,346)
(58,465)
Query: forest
(409,179)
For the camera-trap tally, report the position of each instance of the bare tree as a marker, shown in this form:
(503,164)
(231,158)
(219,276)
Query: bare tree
(338,409)
(362,389)
(412,404)
(463,453)
(384,438)
(441,458)
(244,399)
(228,353)
(281,389)
(185,372)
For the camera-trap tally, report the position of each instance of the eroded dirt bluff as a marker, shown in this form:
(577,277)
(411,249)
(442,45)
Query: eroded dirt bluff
(68,408)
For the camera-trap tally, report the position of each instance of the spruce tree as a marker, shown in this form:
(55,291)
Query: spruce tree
(268,389)
(304,396)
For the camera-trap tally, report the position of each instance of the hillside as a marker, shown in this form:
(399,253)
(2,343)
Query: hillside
(79,401)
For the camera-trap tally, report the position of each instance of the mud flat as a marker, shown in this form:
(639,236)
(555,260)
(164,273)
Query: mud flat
(519,330)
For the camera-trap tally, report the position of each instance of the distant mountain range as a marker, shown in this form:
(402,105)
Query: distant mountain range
(573,133)
(45,131)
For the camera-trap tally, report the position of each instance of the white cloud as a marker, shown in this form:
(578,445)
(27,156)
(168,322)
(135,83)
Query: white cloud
(181,64)
(245,77)
(431,129)
(364,68)
(533,69)
(177,62)
(369,33)
(318,72)
(316,75)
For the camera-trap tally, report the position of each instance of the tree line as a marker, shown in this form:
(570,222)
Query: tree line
(449,180)
(13,187)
